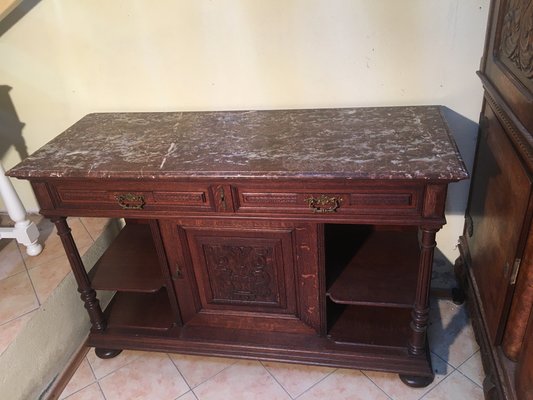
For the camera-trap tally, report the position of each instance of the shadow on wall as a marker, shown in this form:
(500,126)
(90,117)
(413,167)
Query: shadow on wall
(16,14)
(10,126)
(464,132)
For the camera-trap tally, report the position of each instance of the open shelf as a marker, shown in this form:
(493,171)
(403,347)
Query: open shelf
(140,311)
(369,265)
(130,263)
(373,326)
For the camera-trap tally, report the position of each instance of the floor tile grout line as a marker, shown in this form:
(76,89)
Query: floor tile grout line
(34,290)
(441,382)
(433,388)
(20,316)
(101,390)
(444,361)
(86,386)
(90,366)
(110,372)
(465,361)
(99,233)
(185,394)
(376,385)
(179,372)
(86,230)
(211,377)
(470,379)
(316,383)
(278,382)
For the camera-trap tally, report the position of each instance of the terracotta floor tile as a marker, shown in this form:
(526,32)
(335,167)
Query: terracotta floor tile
(82,378)
(198,369)
(47,277)
(393,386)
(151,376)
(95,226)
(10,330)
(344,384)
(297,378)
(17,297)
(11,261)
(91,392)
(450,332)
(454,387)
(473,369)
(103,367)
(244,380)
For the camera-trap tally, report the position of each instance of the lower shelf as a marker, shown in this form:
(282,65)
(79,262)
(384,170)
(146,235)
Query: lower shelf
(376,326)
(140,312)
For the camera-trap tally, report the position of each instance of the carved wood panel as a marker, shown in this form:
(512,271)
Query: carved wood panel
(244,270)
(516,38)
(241,274)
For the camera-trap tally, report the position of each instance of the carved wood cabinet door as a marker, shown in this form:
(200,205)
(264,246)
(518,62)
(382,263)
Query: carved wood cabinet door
(246,275)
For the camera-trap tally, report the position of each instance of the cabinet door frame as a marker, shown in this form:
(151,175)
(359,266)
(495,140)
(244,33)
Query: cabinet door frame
(297,253)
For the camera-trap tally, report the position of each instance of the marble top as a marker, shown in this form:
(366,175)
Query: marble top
(350,143)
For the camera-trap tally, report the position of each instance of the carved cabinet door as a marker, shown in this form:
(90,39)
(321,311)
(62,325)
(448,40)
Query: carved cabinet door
(246,275)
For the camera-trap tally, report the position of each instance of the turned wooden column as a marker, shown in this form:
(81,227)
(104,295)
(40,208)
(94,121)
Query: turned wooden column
(87,293)
(420,313)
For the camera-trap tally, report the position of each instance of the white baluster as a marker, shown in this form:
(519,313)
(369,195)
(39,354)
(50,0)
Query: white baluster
(24,231)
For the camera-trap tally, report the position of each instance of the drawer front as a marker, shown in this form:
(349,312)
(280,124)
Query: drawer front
(364,200)
(137,197)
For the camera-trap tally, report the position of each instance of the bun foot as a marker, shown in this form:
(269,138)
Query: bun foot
(106,353)
(416,381)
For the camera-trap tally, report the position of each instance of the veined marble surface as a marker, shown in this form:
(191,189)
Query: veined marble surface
(351,143)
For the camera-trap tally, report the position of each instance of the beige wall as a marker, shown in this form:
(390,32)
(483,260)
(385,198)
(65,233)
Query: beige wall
(65,59)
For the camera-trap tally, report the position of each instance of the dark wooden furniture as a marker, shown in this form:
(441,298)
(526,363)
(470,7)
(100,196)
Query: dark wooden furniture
(297,235)
(496,263)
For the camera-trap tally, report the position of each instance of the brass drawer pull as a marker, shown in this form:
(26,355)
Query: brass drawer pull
(324,204)
(130,201)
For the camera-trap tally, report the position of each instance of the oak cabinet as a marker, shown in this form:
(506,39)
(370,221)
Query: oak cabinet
(242,241)
(496,263)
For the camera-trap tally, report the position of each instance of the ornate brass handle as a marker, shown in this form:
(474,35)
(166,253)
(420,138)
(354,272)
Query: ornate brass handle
(324,204)
(130,201)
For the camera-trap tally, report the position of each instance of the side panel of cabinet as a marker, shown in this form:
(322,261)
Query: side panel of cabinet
(246,275)
(498,202)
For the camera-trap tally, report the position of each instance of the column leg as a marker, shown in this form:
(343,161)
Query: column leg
(420,315)
(87,293)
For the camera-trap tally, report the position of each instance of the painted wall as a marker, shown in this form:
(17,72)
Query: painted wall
(65,59)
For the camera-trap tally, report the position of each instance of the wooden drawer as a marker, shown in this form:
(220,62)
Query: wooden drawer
(122,196)
(364,199)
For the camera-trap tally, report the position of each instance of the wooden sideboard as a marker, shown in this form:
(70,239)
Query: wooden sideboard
(496,264)
(298,235)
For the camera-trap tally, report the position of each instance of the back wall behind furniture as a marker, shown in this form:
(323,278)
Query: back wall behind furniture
(65,59)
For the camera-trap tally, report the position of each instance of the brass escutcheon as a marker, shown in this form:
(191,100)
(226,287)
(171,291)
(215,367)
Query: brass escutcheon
(324,204)
(130,201)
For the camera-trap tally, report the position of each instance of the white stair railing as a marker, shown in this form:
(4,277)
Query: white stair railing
(24,231)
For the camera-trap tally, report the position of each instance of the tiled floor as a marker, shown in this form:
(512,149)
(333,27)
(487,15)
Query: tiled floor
(26,282)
